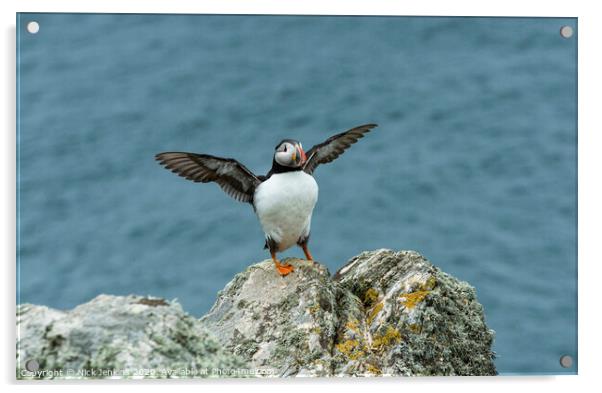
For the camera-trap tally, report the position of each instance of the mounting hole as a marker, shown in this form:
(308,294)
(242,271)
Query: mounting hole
(32,365)
(33,27)
(566,361)
(566,31)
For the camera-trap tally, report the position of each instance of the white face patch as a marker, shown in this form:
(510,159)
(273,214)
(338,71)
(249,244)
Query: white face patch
(284,154)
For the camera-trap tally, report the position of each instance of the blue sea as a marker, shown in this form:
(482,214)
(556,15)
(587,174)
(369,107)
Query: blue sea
(473,163)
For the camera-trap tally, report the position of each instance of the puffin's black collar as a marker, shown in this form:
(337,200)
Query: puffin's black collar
(277,168)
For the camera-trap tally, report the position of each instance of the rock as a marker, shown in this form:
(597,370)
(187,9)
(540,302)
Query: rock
(384,313)
(288,324)
(407,317)
(121,337)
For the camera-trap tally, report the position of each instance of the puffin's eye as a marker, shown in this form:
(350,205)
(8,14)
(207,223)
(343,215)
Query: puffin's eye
(285,148)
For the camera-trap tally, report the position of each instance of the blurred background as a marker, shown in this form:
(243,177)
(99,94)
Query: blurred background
(473,163)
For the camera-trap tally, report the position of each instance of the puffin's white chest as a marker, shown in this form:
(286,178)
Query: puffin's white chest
(284,204)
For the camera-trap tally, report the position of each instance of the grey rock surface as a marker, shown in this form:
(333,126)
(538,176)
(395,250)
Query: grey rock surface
(383,313)
(286,323)
(409,318)
(117,336)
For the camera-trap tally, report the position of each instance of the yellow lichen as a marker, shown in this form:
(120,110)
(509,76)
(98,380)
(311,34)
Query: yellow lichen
(390,337)
(372,369)
(410,300)
(430,284)
(415,328)
(347,346)
(374,312)
(352,349)
(314,309)
(370,297)
(352,325)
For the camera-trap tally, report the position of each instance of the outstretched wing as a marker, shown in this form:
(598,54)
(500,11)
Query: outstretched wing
(334,146)
(232,176)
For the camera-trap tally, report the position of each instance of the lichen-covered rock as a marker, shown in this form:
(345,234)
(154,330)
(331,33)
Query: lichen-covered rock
(409,318)
(114,336)
(383,313)
(286,324)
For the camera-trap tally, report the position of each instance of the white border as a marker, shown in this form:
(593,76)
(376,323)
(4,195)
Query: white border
(590,168)
(312,7)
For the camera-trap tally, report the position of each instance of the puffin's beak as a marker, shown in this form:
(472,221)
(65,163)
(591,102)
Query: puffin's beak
(302,156)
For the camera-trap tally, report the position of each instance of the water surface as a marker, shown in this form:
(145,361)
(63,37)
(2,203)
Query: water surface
(473,163)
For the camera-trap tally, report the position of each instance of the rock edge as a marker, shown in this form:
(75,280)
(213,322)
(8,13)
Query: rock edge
(384,313)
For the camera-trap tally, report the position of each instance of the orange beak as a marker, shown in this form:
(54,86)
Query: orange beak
(302,155)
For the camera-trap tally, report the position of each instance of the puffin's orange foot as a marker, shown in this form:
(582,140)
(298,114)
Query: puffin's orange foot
(283,270)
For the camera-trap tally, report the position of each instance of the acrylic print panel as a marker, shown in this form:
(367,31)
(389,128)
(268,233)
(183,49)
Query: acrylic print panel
(443,241)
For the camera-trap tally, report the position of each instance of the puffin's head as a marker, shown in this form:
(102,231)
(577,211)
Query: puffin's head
(290,153)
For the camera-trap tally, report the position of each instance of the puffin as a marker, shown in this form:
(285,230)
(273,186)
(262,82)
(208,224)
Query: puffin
(284,198)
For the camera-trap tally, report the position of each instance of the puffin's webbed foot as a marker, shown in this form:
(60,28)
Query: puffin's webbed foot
(283,270)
